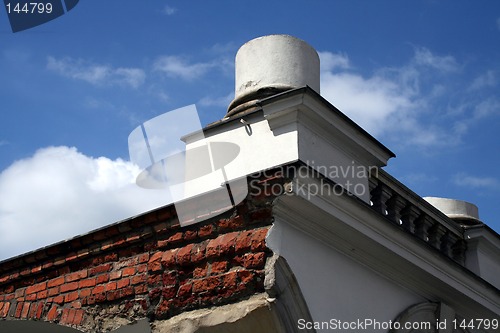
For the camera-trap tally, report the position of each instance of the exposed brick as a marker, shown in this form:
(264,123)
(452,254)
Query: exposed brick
(258,242)
(78,317)
(122,283)
(245,276)
(141,289)
(36,288)
(206,284)
(111,286)
(26,309)
(87,283)
(19,309)
(185,290)
(154,264)
(128,271)
(142,268)
(20,293)
(98,289)
(58,299)
(169,292)
(76,276)
(139,279)
(103,278)
(53,291)
(175,238)
(5,310)
(206,231)
(184,255)
(227,243)
(100,269)
(31,297)
(254,260)
(169,278)
(85,292)
(115,275)
(52,314)
(39,310)
(198,252)
(200,272)
(68,287)
(143,258)
(229,280)
(218,267)
(71,296)
(168,258)
(244,241)
(42,294)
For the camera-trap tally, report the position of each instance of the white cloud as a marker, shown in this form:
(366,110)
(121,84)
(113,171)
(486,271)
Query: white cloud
(96,74)
(408,102)
(176,66)
(425,57)
(59,193)
(465,180)
(330,61)
(488,79)
(222,101)
(167,10)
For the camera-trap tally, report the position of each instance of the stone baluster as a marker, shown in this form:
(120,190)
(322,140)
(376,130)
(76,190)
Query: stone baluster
(394,208)
(422,226)
(408,215)
(436,232)
(379,197)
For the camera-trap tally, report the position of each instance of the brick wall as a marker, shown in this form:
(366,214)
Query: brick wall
(147,266)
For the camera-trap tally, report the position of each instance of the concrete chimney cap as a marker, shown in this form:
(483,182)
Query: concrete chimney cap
(456,209)
(271,64)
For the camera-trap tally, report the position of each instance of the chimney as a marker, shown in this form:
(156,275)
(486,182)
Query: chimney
(269,65)
(461,212)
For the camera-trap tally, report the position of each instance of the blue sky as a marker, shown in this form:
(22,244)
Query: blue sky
(423,77)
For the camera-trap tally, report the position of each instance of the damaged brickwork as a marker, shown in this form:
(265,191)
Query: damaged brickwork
(144,267)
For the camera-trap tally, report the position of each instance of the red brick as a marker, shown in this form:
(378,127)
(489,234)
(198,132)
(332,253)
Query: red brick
(55,282)
(200,272)
(26,309)
(76,304)
(53,313)
(36,288)
(69,287)
(258,242)
(175,238)
(128,271)
(143,258)
(184,255)
(169,292)
(64,318)
(185,290)
(141,289)
(244,241)
(87,283)
(115,275)
(20,293)
(169,278)
(122,283)
(154,263)
(19,309)
(42,294)
(206,230)
(228,242)
(58,299)
(139,279)
(32,311)
(78,317)
(98,290)
(103,278)
(76,276)
(168,258)
(111,286)
(218,267)
(198,252)
(245,276)
(100,269)
(254,260)
(206,284)
(53,291)
(39,310)
(31,297)
(71,297)
(85,292)
(229,280)
(142,268)
(5,310)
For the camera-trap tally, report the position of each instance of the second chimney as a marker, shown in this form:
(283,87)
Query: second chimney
(272,64)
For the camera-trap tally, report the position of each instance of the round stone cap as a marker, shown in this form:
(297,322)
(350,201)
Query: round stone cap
(456,209)
(271,64)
